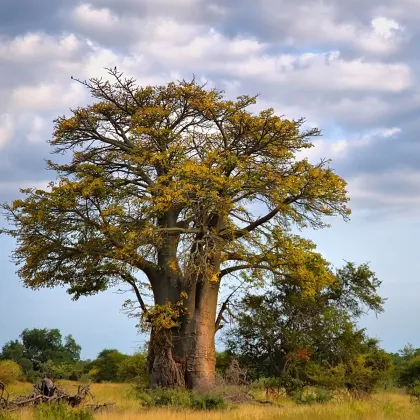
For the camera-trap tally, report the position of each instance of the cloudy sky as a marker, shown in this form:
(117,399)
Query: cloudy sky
(349,67)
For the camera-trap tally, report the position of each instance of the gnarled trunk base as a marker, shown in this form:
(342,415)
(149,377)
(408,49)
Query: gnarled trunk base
(184,360)
(164,371)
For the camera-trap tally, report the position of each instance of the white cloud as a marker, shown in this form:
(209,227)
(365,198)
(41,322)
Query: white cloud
(389,132)
(7,187)
(387,36)
(385,27)
(37,131)
(337,149)
(325,24)
(394,189)
(323,72)
(101,18)
(6,129)
(47,96)
(37,47)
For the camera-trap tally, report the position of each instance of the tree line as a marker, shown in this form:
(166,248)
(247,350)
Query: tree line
(44,352)
(341,357)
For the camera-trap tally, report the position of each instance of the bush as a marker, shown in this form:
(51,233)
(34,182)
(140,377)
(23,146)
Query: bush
(106,366)
(60,412)
(361,375)
(312,396)
(410,373)
(207,402)
(33,376)
(134,368)
(414,391)
(368,371)
(63,370)
(10,371)
(178,398)
(160,397)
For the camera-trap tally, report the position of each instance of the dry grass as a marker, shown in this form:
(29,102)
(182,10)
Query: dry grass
(384,406)
(19,388)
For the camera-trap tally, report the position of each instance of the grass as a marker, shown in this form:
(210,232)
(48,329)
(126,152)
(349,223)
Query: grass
(382,406)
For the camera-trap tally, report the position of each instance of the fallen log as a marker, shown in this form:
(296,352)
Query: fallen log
(59,395)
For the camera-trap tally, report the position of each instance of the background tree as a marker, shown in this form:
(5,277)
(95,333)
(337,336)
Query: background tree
(301,338)
(40,346)
(187,188)
(15,351)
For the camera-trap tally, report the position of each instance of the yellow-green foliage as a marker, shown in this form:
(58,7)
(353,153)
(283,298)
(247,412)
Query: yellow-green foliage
(10,371)
(180,188)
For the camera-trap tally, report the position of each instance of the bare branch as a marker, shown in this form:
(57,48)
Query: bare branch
(223,308)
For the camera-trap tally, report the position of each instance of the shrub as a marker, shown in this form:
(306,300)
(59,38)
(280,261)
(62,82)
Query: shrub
(60,412)
(414,390)
(107,364)
(367,371)
(10,371)
(33,376)
(63,370)
(160,397)
(410,373)
(361,375)
(207,402)
(134,368)
(312,396)
(178,398)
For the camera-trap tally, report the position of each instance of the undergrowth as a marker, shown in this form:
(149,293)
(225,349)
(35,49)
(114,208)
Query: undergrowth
(60,412)
(178,398)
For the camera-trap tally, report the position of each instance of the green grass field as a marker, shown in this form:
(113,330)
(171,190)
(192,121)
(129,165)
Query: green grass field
(381,406)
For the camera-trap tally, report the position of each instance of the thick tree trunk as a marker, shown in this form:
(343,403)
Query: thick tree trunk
(201,356)
(190,358)
(185,355)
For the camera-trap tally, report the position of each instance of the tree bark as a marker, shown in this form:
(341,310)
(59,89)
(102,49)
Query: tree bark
(188,356)
(201,356)
(165,371)
(185,355)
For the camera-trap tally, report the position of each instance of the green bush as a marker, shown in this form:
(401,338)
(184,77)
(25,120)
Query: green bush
(165,397)
(134,369)
(414,390)
(312,396)
(106,367)
(207,402)
(33,376)
(179,398)
(5,416)
(60,412)
(63,370)
(10,371)
(410,373)
(361,374)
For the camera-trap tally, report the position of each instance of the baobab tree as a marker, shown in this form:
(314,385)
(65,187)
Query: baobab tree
(187,188)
